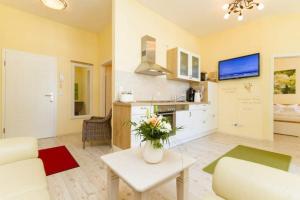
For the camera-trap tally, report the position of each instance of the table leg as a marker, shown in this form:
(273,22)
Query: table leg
(140,196)
(182,185)
(112,185)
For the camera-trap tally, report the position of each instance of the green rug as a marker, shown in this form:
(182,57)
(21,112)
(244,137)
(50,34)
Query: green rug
(271,159)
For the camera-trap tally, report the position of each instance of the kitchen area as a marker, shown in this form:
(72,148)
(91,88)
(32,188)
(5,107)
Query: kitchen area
(181,93)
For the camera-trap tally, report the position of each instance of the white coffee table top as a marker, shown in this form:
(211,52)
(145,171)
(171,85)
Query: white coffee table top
(141,176)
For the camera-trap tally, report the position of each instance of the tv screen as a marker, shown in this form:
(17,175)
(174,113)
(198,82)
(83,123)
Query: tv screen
(241,67)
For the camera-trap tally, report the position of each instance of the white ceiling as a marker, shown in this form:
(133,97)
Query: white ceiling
(91,15)
(199,17)
(206,16)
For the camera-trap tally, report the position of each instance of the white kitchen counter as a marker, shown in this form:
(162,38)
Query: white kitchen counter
(152,103)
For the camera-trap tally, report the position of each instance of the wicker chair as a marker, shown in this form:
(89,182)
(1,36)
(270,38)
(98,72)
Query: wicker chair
(97,128)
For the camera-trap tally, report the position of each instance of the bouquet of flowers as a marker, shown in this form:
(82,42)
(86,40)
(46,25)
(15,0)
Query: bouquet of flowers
(156,129)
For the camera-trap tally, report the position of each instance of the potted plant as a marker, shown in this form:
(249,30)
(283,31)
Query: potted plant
(155,131)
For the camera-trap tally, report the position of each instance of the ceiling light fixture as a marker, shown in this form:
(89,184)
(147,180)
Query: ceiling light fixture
(55,4)
(237,7)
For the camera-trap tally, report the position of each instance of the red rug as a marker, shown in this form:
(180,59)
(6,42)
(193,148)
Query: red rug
(57,159)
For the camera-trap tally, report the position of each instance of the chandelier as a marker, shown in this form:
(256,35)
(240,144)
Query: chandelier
(238,6)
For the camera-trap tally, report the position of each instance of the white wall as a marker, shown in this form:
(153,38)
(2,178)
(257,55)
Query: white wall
(131,22)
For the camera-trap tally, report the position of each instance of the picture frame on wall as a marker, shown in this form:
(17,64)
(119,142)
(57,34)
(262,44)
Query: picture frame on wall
(285,81)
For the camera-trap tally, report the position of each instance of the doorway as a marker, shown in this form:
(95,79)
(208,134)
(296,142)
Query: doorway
(29,89)
(286,95)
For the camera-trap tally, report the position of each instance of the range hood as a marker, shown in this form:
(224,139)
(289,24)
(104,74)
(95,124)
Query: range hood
(148,65)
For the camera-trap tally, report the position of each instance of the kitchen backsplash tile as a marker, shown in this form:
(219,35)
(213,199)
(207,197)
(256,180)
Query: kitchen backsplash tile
(149,87)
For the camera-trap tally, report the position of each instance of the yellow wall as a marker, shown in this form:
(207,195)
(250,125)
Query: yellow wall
(131,22)
(270,36)
(287,63)
(26,32)
(105,41)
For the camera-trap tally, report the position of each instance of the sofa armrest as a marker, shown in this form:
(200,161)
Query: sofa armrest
(16,149)
(238,179)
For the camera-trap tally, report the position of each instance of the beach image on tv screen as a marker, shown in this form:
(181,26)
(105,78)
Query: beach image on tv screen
(247,66)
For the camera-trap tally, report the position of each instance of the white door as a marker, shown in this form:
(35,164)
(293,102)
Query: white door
(30,94)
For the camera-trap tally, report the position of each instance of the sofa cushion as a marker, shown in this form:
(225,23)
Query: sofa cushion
(23,180)
(238,179)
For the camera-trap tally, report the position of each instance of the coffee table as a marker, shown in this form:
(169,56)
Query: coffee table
(142,177)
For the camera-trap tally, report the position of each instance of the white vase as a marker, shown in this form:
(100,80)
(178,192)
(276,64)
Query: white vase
(152,155)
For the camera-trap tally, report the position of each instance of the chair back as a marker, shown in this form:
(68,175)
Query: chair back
(108,117)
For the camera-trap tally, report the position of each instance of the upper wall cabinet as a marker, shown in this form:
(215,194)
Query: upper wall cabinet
(184,65)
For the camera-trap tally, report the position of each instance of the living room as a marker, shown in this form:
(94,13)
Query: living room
(84,82)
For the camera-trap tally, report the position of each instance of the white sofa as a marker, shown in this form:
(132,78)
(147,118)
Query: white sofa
(22,175)
(235,179)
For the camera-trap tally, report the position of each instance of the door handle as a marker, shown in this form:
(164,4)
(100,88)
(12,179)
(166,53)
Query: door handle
(49,94)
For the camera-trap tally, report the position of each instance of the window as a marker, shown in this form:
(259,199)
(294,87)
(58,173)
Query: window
(81,89)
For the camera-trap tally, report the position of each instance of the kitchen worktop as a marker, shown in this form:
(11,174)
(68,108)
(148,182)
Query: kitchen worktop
(150,103)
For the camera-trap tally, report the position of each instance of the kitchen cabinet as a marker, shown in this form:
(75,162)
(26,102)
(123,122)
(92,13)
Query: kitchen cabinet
(210,97)
(183,119)
(141,110)
(183,64)
(138,114)
(197,120)
(201,119)
(195,67)
(136,140)
(123,134)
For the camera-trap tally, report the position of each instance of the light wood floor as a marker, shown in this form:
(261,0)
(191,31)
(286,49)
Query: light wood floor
(89,180)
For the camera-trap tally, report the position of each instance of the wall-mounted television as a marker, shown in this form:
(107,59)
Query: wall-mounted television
(241,67)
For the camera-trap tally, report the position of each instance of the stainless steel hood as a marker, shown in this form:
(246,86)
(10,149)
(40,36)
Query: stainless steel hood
(148,65)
